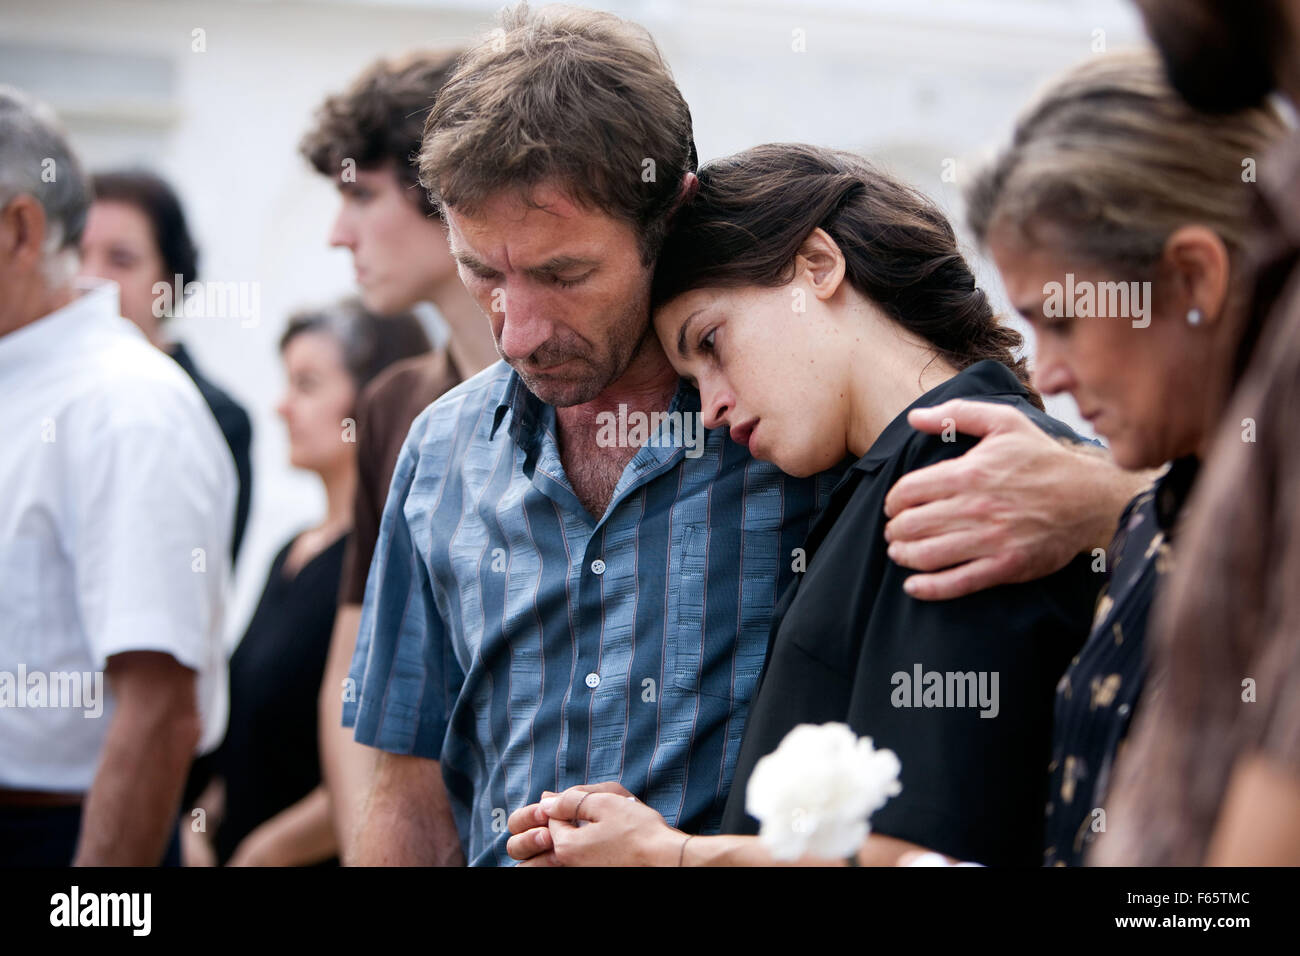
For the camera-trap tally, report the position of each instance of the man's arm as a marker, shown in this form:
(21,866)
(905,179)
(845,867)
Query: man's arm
(299,835)
(346,766)
(1016,507)
(407,820)
(130,812)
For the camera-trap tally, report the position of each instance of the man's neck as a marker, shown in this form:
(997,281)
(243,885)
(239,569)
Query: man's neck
(36,304)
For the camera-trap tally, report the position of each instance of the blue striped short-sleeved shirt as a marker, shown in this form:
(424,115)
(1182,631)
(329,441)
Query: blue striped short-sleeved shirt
(529,647)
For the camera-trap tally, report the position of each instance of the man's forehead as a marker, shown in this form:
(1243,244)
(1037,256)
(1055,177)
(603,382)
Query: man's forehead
(522,229)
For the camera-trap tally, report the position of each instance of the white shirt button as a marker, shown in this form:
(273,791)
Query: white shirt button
(593,680)
(598,566)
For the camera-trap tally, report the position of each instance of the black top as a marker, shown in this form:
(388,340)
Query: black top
(848,644)
(270,757)
(238,431)
(1096,698)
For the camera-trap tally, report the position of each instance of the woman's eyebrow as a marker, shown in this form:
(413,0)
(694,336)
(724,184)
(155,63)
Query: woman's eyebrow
(681,333)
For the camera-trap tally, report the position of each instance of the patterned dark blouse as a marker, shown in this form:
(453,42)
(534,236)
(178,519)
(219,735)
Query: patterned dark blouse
(1096,698)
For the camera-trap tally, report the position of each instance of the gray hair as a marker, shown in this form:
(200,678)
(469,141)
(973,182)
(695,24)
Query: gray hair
(36,160)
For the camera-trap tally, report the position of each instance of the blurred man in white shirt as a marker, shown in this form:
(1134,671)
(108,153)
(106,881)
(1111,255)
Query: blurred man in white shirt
(117,498)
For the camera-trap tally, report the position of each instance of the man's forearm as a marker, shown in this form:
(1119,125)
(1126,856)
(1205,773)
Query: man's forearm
(130,812)
(1108,489)
(299,835)
(407,819)
(346,766)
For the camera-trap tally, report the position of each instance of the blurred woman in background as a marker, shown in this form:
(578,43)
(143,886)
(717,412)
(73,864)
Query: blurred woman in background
(265,804)
(136,235)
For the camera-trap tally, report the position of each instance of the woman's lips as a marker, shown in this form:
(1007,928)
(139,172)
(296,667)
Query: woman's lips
(743,434)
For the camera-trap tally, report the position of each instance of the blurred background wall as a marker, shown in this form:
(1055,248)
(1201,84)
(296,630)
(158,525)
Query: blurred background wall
(923,86)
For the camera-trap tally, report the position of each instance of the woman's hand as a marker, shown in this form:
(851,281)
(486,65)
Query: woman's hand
(196,847)
(259,848)
(616,831)
(530,825)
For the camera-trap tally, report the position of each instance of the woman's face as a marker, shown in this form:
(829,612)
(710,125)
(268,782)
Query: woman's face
(118,244)
(769,365)
(320,396)
(1136,373)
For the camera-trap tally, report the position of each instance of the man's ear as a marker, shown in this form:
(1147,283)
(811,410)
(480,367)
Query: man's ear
(1199,266)
(821,262)
(690,186)
(22,233)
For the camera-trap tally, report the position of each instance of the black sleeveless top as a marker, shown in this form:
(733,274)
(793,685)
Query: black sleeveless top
(270,757)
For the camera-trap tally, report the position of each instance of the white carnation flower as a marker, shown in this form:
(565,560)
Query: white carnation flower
(814,794)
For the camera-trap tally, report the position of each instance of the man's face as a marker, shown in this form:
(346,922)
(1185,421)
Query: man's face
(1219,54)
(399,254)
(563,285)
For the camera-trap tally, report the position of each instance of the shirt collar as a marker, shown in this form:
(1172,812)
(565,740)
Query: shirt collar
(524,408)
(94,309)
(1172,490)
(986,378)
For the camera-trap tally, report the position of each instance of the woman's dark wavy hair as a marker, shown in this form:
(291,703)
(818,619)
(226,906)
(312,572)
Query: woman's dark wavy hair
(755,209)
(154,197)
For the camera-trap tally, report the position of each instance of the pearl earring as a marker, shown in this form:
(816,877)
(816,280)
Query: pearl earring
(1193,316)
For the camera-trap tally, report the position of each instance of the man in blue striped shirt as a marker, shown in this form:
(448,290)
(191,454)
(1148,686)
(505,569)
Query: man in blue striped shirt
(566,588)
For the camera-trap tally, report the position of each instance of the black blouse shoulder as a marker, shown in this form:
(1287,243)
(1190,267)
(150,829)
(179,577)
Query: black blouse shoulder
(961,690)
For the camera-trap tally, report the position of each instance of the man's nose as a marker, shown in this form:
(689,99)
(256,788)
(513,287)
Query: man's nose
(524,328)
(341,233)
(1051,374)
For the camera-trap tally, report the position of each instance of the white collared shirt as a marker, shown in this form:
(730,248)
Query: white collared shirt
(117,497)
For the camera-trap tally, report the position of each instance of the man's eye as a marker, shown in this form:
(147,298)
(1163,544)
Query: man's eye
(570,283)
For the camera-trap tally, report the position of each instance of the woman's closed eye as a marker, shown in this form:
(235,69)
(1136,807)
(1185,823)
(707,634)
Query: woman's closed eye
(708,341)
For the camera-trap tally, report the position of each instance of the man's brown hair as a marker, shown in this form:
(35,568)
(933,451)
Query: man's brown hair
(580,98)
(380,118)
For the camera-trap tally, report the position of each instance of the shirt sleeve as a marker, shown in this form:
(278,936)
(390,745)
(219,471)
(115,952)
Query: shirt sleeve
(154,510)
(403,671)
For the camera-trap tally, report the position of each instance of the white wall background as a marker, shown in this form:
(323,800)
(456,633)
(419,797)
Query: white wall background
(914,83)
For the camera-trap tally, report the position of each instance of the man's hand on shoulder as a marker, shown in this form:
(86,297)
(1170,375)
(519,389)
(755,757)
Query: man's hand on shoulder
(1016,507)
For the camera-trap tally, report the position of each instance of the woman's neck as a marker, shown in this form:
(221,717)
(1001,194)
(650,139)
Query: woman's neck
(890,369)
(340,493)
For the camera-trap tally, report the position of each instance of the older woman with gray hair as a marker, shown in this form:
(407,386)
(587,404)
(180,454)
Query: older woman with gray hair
(1119,219)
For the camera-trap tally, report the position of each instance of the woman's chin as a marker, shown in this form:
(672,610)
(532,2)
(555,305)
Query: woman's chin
(1131,456)
(793,465)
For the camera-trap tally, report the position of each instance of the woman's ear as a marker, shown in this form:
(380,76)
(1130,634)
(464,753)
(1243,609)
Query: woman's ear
(1199,267)
(820,261)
